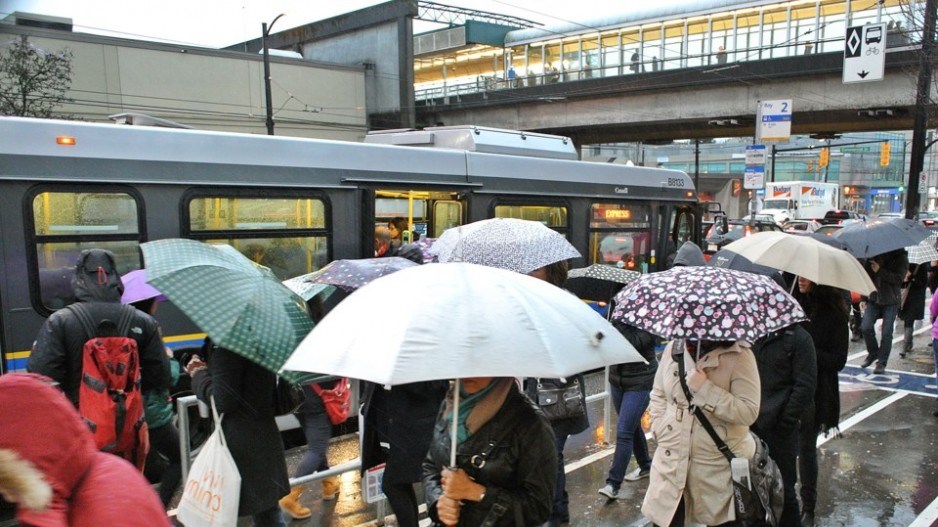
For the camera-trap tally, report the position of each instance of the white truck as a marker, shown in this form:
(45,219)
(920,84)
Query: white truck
(799,200)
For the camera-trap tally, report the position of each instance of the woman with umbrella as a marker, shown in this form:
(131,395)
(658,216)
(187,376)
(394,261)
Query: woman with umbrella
(913,307)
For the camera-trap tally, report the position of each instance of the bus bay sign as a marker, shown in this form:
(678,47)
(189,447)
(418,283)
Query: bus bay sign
(774,121)
(865,53)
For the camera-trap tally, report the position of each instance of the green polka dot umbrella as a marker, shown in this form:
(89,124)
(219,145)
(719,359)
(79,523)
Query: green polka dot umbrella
(242,306)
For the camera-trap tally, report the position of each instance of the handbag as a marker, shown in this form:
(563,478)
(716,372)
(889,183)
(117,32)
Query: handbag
(287,397)
(212,491)
(762,497)
(561,400)
(336,400)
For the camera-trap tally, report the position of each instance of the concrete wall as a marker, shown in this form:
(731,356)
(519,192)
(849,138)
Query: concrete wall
(204,88)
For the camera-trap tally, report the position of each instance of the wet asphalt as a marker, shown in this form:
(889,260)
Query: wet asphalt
(882,471)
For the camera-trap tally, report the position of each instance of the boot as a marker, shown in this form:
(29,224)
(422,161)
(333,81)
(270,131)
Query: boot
(330,488)
(291,504)
(807,519)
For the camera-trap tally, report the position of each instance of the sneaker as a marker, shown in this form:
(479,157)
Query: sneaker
(610,492)
(637,474)
(880,369)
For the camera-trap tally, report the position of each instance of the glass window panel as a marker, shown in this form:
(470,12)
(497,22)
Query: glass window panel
(550,215)
(590,59)
(446,214)
(620,234)
(84,213)
(57,266)
(238,213)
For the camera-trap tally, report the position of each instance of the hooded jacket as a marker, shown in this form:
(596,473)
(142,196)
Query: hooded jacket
(57,351)
(788,377)
(689,255)
(49,461)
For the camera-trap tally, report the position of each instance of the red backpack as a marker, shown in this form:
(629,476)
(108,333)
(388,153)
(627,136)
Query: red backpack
(109,398)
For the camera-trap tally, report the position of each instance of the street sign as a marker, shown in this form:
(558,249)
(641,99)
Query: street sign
(755,155)
(865,53)
(754,177)
(774,124)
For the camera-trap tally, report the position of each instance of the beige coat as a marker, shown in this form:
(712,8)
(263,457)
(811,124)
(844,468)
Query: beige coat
(686,461)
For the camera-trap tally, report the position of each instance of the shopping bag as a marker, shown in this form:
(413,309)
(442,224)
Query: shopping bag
(213,489)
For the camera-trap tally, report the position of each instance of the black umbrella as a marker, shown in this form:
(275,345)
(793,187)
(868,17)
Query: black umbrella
(598,281)
(865,240)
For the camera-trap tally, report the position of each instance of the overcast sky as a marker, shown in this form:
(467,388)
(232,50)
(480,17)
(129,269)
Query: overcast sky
(219,23)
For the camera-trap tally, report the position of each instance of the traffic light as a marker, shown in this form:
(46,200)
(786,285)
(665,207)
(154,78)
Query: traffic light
(884,154)
(824,157)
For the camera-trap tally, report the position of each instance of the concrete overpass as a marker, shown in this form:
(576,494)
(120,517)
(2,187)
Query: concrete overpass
(696,102)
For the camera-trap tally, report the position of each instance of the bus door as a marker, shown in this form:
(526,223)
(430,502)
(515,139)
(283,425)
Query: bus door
(677,224)
(427,212)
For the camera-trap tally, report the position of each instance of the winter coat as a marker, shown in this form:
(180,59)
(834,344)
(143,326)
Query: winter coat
(244,394)
(914,307)
(519,472)
(403,417)
(567,426)
(888,279)
(48,458)
(635,376)
(158,404)
(57,351)
(687,463)
(689,255)
(788,379)
(830,332)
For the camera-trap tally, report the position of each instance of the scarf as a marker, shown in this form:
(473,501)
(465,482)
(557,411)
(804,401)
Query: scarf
(478,408)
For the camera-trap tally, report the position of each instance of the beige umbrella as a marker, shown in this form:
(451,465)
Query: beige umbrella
(807,257)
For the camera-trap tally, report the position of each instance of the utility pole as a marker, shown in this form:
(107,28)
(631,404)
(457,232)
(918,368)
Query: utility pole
(265,32)
(697,167)
(917,163)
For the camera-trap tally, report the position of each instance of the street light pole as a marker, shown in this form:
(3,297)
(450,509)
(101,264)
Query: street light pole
(265,32)
(917,161)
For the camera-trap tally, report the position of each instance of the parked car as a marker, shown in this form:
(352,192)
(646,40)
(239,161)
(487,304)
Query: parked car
(725,231)
(827,230)
(928,218)
(835,217)
(802,226)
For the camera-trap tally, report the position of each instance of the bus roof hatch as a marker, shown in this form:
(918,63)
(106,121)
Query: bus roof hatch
(479,139)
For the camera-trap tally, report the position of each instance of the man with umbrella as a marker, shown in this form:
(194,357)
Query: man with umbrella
(887,271)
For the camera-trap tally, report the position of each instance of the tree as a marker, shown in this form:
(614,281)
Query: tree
(33,82)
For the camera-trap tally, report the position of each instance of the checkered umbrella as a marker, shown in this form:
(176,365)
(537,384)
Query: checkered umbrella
(517,245)
(242,306)
(923,251)
(598,281)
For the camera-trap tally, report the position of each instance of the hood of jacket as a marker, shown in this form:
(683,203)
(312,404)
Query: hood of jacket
(689,255)
(96,278)
(43,429)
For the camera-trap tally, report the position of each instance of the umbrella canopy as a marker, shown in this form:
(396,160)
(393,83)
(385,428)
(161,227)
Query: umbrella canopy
(352,274)
(730,260)
(923,251)
(507,243)
(460,320)
(868,239)
(807,257)
(242,306)
(136,288)
(706,303)
(306,289)
(598,281)
(424,244)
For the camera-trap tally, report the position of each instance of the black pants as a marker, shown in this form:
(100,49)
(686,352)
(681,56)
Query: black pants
(783,449)
(403,501)
(678,519)
(807,459)
(165,440)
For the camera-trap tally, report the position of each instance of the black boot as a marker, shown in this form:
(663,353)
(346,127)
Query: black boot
(807,519)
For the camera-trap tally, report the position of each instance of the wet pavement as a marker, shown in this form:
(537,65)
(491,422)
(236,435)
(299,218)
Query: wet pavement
(882,471)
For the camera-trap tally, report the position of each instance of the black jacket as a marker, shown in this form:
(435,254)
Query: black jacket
(520,471)
(635,376)
(888,279)
(57,351)
(828,328)
(788,375)
(914,307)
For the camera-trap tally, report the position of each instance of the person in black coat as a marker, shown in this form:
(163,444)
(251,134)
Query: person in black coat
(505,459)
(403,418)
(788,375)
(244,394)
(828,325)
(914,306)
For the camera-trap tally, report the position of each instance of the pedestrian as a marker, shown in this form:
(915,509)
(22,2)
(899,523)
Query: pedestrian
(721,55)
(51,470)
(933,314)
(655,63)
(913,306)
(630,389)
(401,417)
(397,228)
(689,255)
(827,324)
(788,379)
(505,458)
(383,245)
(244,394)
(635,60)
(57,351)
(887,272)
(690,478)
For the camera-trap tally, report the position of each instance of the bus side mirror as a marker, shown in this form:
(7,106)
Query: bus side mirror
(722,226)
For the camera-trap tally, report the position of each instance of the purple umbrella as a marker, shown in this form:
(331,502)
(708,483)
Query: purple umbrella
(706,303)
(136,288)
(353,274)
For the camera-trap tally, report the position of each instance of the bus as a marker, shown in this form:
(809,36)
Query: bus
(295,204)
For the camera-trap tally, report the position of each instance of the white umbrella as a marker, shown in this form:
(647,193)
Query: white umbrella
(923,251)
(507,243)
(807,257)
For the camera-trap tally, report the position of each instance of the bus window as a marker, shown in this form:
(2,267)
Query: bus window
(552,216)
(620,235)
(446,214)
(65,223)
(286,234)
(428,212)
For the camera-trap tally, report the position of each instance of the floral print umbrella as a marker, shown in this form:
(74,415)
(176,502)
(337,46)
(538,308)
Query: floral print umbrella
(706,303)
(350,275)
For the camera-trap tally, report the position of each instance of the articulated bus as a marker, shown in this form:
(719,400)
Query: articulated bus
(296,204)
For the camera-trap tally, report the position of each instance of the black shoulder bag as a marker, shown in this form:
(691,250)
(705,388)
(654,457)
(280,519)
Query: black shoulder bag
(764,500)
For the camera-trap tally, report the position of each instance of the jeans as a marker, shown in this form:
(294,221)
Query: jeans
(271,517)
(629,434)
(561,510)
(165,440)
(318,430)
(880,352)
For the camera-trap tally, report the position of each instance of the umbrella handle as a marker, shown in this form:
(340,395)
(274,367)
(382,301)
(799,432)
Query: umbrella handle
(454,432)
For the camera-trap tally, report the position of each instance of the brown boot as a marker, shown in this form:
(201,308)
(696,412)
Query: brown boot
(291,504)
(330,488)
